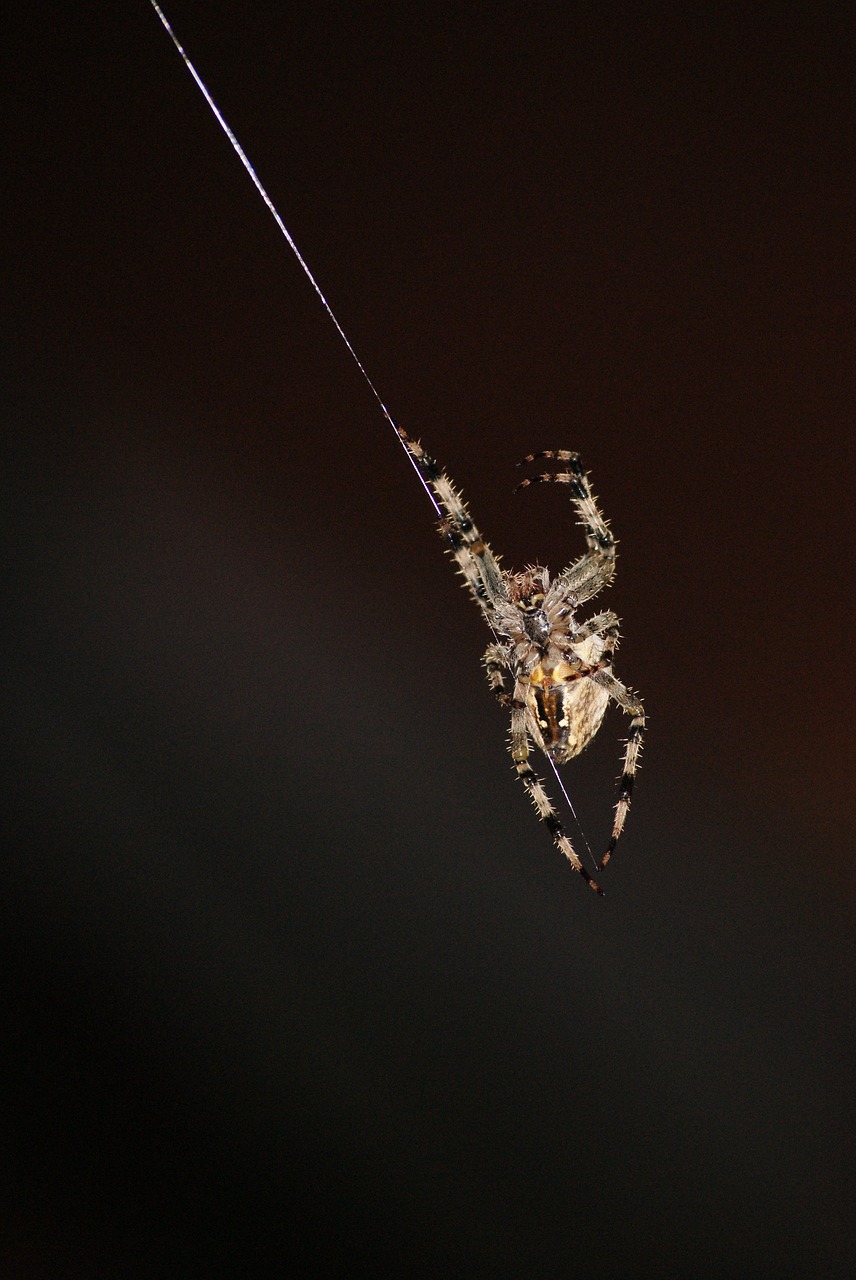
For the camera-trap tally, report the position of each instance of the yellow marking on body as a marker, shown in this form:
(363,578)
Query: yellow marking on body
(561,673)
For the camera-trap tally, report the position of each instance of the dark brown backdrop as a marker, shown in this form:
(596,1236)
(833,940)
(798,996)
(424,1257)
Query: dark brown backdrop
(289,966)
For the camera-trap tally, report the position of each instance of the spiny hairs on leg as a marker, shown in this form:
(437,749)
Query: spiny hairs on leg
(475,559)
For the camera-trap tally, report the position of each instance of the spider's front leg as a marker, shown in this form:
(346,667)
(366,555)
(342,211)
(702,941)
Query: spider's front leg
(534,785)
(475,559)
(631,704)
(587,576)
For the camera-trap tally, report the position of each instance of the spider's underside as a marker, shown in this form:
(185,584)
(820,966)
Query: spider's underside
(553,671)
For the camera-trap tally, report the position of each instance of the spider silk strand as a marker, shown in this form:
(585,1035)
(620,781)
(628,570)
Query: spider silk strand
(292,244)
(289,239)
(573,811)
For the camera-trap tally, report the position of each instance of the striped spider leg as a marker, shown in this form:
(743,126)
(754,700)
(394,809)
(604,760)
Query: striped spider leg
(549,670)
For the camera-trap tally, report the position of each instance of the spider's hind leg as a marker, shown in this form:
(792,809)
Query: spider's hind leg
(631,704)
(533,784)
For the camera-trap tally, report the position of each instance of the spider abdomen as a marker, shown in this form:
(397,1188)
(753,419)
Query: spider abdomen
(564,714)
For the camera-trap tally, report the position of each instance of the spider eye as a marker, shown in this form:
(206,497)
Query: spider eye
(533,603)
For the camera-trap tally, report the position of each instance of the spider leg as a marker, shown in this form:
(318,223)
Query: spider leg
(535,787)
(587,576)
(475,559)
(602,624)
(496,664)
(631,704)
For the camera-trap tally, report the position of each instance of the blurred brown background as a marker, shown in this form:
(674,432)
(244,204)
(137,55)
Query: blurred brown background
(289,967)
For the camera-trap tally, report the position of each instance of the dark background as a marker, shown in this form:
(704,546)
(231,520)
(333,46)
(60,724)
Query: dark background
(289,968)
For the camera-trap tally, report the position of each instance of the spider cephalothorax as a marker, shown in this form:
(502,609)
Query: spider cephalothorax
(553,670)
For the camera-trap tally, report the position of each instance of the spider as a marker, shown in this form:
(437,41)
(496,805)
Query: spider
(553,671)
(559,671)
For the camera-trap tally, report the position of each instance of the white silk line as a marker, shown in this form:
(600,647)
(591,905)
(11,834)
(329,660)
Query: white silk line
(289,239)
(573,811)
